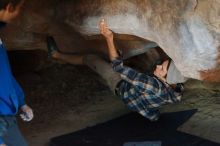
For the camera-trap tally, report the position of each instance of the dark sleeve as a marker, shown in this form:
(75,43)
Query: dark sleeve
(178,91)
(179,87)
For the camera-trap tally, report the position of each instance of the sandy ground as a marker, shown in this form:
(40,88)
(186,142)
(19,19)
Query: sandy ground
(65,98)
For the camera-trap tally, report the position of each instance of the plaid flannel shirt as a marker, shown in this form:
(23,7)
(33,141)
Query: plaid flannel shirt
(144,93)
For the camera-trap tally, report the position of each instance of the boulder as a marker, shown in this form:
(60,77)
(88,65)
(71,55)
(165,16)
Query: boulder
(187,31)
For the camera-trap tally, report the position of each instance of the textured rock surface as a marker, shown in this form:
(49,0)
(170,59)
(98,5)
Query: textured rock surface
(188,31)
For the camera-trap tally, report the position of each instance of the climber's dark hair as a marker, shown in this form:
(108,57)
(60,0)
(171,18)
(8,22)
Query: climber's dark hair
(160,62)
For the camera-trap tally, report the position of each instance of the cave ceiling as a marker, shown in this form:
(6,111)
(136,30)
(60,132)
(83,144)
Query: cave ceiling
(187,31)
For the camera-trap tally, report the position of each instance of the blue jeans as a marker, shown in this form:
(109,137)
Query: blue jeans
(10,132)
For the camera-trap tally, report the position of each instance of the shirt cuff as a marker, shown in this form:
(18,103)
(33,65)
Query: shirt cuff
(179,88)
(117,61)
(117,65)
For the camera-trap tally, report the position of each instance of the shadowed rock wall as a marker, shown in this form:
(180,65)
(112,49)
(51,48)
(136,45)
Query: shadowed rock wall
(188,31)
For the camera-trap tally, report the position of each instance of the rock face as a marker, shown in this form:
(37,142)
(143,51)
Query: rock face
(188,31)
